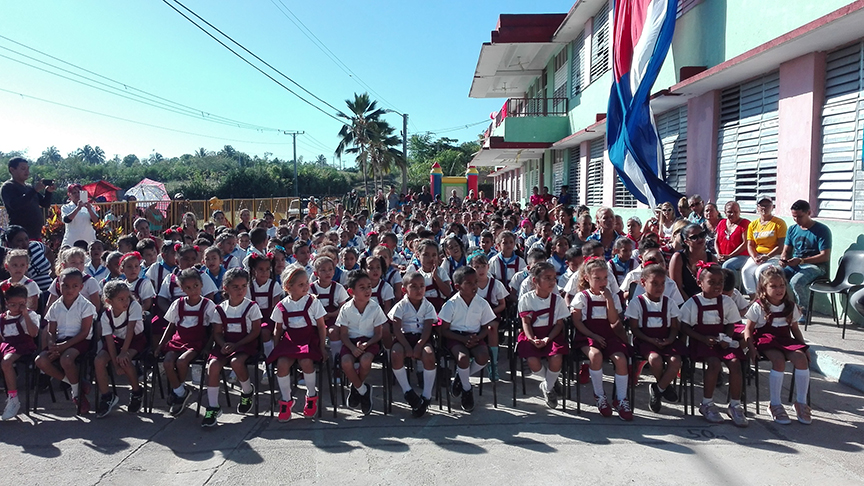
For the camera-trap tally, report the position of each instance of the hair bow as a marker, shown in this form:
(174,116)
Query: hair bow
(197,249)
(269,255)
(131,254)
(280,248)
(649,262)
(702,265)
(588,259)
(177,246)
(168,232)
(476,253)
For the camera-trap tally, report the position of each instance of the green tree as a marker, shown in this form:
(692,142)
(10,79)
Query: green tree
(130,160)
(91,155)
(359,131)
(50,156)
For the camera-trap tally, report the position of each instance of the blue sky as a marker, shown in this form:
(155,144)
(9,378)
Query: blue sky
(418,56)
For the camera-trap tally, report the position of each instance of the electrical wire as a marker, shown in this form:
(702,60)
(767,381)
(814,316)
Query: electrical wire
(256,57)
(456,128)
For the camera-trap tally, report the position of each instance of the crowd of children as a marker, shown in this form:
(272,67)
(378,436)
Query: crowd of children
(404,288)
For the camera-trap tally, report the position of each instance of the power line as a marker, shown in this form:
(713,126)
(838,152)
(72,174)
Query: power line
(126,88)
(456,128)
(326,50)
(85,110)
(256,57)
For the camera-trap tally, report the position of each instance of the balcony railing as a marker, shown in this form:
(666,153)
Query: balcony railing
(523,107)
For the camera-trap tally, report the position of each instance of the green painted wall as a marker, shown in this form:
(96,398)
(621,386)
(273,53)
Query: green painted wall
(546,129)
(593,100)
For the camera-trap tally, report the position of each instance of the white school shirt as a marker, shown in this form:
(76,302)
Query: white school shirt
(30,284)
(564,278)
(340,295)
(91,286)
(361,324)
(136,321)
(316,311)
(690,312)
(152,274)
(232,312)
(464,317)
(526,286)
(69,319)
(98,273)
(634,311)
(233,261)
(395,277)
(739,300)
(499,291)
(11,329)
(385,290)
(530,302)
(572,286)
(413,319)
(599,312)
(276,296)
(210,315)
(670,288)
(207,287)
(239,254)
(518,278)
(427,280)
(495,267)
(145,289)
(757,315)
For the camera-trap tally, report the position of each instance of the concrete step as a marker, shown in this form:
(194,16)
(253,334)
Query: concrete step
(839,360)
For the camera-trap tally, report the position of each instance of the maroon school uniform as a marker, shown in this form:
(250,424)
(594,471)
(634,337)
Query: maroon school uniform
(558,345)
(234,329)
(20,344)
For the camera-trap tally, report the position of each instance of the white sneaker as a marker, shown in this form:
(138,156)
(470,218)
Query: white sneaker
(13,405)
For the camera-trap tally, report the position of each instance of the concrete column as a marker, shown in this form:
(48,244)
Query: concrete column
(802,94)
(584,155)
(703,121)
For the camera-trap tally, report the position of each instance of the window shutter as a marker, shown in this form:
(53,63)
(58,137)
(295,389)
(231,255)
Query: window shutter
(747,141)
(595,173)
(560,80)
(623,197)
(842,125)
(600,43)
(557,172)
(573,178)
(577,64)
(672,127)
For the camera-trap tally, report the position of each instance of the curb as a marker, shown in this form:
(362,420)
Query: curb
(836,366)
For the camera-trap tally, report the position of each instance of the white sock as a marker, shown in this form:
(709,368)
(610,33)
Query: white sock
(268,347)
(802,384)
(597,381)
(402,379)
(775,386)
(542,373)
(246,386)
(428,382)
(335,349)
(311,384)
(74,387)
(621,386)
(285,386)
(475,368)
(213,396)
(362,389)
(66,380)
(551,378)
(734,403)
(464,377)
(180,391)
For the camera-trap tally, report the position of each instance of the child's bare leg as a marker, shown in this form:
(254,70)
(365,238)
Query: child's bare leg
(350,373)
(183,364)
(428,358)
(169,365)
(103,359)
(655,362)
(214,372)
(481,354)
(238,365)
(131,373)
(534,364)
(492,337)
(365,366)
(67,362)
(397,356)
(386,336)
(555,363)
(736,380)
(710,378)
(44,363)
(620,362)
(9,372)
(673,366)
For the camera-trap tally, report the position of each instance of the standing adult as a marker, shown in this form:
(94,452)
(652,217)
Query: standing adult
(155,218)
(78,216)
(190,225)
(806,253)
(766,236)
(244,226)
(545,197)
(535,198)
(380,202)
(23,202)
(455,200)
(564,196)
(697,209)
(730,242)
(424,196)
(392,200)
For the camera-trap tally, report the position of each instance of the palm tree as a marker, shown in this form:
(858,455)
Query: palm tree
(359,131)
(50,156)
(321,161)
(201,153)
(91,155)
(383,153)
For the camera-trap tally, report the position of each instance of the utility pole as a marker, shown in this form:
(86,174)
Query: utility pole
(294,134)
(405,143)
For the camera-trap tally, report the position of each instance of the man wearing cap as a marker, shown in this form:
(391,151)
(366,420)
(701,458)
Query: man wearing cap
(78,216)
(766,236)
(24,203)
(806,254)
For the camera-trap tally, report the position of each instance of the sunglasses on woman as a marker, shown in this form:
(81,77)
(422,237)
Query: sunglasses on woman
(698,236)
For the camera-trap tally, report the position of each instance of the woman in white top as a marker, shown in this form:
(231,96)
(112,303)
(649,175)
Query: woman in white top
(78,216)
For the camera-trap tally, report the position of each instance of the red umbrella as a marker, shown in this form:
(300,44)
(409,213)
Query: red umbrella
(102,188)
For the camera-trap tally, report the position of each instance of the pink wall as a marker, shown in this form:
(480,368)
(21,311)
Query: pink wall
(802,94)
(609,178)
(584,152)
(703,121)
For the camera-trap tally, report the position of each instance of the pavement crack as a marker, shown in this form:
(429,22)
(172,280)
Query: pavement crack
(253,432)
(133,451)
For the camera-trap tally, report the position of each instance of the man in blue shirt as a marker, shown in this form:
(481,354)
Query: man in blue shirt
(806,254)
(564,196)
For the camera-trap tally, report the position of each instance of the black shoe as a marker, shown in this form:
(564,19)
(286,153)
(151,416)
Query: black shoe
(413,399)
(44,382)
(366,401)
(654,402)
(421,410)
(557,388)
(456,387)
(353,397)
(210,416)
(669,394)
(135,401)
(468,400)
(180,403)
(245,402)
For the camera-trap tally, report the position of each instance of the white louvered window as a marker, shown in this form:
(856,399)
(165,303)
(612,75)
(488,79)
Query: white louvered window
(577,64)
(559,103)
(600,43)
(557,172)
(573,177)
(747,141)
(672,127)
(623,197)
(594,177)
(842,140)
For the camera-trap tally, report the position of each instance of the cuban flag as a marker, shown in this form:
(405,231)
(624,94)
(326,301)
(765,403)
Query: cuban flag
(641,38)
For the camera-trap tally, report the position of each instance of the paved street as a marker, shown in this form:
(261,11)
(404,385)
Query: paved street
(508,445)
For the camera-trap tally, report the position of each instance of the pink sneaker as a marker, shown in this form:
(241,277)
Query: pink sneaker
(603,406)
(311,407)
(285,410)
